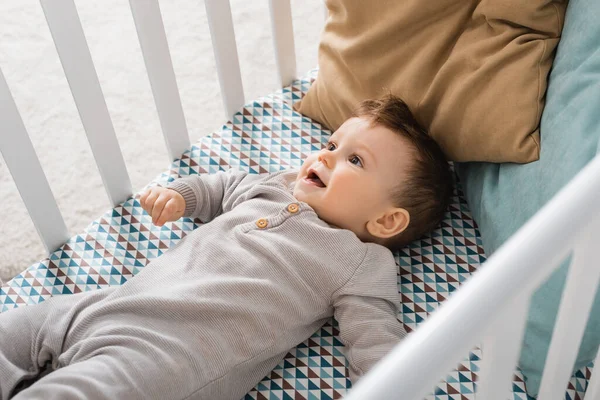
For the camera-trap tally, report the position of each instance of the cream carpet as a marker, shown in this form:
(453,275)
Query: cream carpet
(32,69)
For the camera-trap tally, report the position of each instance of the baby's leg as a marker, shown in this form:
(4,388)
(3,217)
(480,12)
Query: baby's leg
(96,352)
(31,339)
(117,373)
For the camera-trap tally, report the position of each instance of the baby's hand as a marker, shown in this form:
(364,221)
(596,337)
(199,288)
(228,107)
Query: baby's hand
(162,204)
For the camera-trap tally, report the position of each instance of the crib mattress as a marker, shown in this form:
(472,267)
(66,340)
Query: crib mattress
(266,136)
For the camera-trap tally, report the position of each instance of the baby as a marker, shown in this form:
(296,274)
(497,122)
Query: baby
(276,257)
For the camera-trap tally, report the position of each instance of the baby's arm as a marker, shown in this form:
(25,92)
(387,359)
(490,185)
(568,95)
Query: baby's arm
(197,196)
(366,311)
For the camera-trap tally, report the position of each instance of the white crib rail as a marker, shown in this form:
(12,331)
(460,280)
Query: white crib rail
(283,37)
(479,309)
(222,34)
(79,69)
(153,41)
(22,162)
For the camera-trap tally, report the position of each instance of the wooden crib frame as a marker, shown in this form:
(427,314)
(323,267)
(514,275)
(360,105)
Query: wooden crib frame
(489,310)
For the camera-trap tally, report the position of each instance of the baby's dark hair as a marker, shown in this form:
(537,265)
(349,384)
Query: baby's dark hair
(427,190)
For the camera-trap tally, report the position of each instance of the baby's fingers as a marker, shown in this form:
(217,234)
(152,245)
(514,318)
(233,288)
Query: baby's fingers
(144,198)
(151,198)
(169,213)
(158,207)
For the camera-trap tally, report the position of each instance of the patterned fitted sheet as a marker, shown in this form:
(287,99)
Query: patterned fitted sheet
(266,136)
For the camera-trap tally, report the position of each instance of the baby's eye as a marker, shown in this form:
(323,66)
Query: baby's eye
(330,146)
(356,161)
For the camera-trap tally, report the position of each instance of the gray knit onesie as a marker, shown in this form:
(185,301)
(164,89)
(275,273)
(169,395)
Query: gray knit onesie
(211,317)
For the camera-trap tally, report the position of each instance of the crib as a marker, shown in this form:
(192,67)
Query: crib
(466,314)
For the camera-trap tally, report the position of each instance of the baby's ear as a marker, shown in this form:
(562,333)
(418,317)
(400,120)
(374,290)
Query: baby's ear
(390,223)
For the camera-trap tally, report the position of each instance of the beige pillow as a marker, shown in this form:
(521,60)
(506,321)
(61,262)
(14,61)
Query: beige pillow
(473,72)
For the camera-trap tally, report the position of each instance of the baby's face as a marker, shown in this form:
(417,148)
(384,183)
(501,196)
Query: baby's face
(350,180)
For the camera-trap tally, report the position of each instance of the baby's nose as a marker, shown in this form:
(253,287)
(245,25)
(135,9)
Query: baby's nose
(324,158)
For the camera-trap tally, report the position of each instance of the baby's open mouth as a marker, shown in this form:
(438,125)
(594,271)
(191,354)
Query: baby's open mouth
(314,178)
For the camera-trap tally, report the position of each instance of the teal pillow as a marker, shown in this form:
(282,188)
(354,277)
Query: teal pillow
(502,197)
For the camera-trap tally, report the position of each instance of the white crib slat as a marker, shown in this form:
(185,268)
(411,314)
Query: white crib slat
(501,351)
(283,37)
(24,166)
(76,60)
(153,41)
(222,35)
(593,389)
(578,295)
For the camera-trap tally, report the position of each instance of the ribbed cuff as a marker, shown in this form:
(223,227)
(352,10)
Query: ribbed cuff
(188,195)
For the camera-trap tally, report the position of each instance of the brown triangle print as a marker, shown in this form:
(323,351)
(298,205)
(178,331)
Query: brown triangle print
(299,363)
(451,389)
(274,375)
(324,385)
(324,352)
(287,385)
(337,363)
